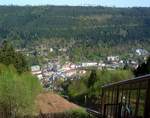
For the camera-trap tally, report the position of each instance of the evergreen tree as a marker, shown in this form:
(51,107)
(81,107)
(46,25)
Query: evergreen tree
(143,69)
(92,79)
(8,56)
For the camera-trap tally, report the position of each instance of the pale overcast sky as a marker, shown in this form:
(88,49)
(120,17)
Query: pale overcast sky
(117,3)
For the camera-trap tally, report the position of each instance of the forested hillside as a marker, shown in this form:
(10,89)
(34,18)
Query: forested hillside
(98,30)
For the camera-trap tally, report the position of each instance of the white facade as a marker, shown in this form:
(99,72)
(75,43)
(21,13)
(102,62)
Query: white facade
(141,52)
(51,50)
(113,58)
(36,70)
(62,50)
(88,64)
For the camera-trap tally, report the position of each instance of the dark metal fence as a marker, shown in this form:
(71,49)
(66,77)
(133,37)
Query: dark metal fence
(127,99)
(93,113)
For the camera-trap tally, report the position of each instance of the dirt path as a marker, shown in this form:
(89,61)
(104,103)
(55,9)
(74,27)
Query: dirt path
(51,103)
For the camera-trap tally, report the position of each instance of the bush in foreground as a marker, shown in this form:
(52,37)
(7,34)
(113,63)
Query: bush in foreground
(77,113)
(17,92)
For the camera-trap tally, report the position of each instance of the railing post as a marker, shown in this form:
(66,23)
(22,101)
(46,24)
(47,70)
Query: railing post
(147,101)
(117,104)
(104,115)
(112,101)
(137,101)
(102,101)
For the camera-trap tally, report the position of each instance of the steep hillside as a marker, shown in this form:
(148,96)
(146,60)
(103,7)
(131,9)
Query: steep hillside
(98,30)
(53,103)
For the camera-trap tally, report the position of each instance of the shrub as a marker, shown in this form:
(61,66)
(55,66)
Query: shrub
(17,92)
(77,113)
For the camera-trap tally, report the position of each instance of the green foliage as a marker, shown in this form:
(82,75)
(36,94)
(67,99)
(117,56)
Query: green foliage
(77,113)
(107,76)
(17,92)
(143,69)
(90,86)
(89,33)
(92,79)
(8,56)
(77,88)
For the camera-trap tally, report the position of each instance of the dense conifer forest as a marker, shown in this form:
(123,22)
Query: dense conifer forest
(87,32)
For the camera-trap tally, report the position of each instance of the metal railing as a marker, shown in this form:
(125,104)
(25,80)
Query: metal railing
(127,99)
(94,113)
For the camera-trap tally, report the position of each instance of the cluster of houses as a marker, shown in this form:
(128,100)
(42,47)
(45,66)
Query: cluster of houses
(54,69)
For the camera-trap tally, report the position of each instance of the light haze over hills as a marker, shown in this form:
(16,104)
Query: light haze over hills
(117,3)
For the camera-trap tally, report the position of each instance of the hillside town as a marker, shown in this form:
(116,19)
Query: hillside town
(49,72)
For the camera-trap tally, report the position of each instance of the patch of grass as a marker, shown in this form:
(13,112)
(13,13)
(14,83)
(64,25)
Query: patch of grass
(77,113)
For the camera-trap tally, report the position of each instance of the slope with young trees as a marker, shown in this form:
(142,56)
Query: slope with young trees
(18,87)
(87,90)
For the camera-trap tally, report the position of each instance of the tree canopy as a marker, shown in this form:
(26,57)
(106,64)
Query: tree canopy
(90,84)
(17,92)
(143,68)
(9,56)
(88,33)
